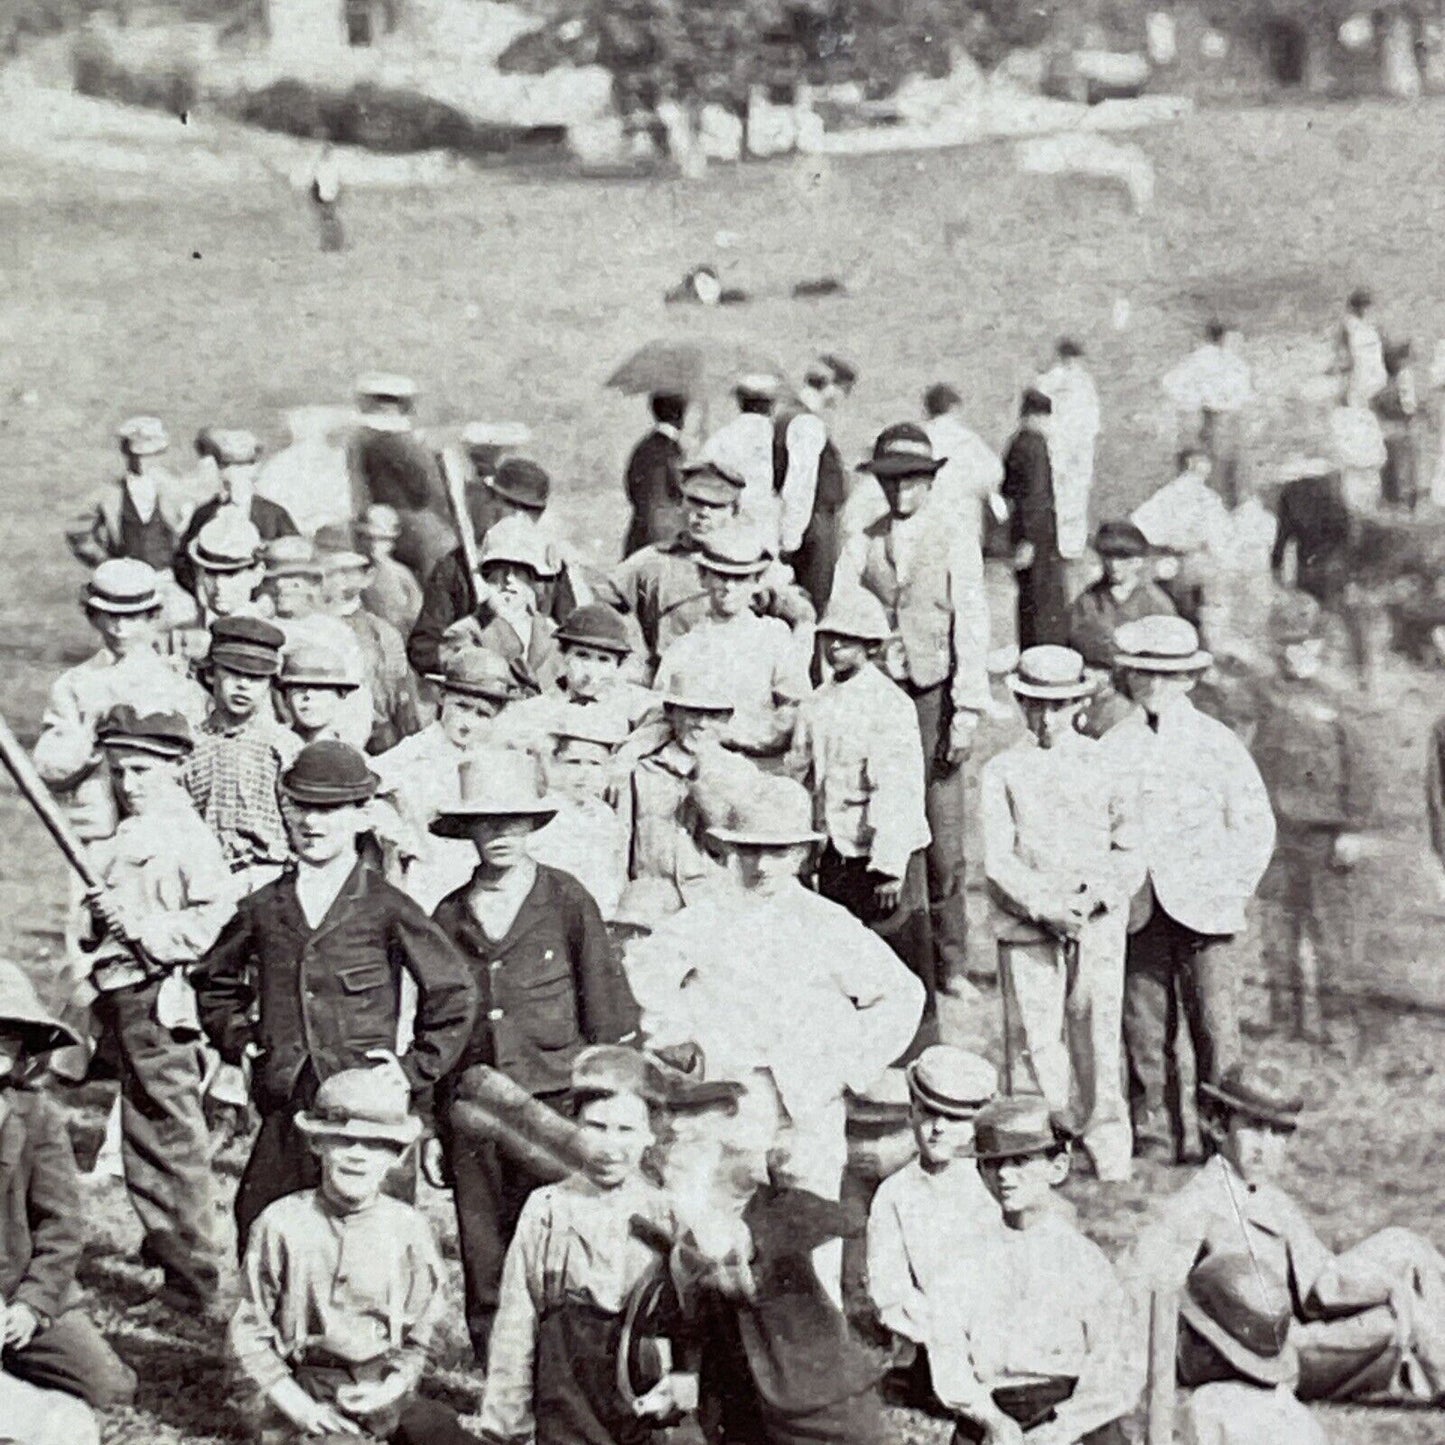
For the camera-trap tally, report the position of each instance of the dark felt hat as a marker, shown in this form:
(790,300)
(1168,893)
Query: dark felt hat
(522,482)
(329,774)
(903,450)
(166,734)
(1244,1316)
(595,624)
(248,645)
(1257,1091)
(1011,1127)
(1120,539)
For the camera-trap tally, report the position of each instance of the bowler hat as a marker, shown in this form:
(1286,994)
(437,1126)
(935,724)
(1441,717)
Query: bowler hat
(227,543)
(951,1081)
(739,550)
(779,814)
(1159,644)
(1036,403)
(902,450)
(122,586)
(505,784)
(519,541)
(22,1011)
(595,624)
(142,436)
(234,447)
(166,734)
(855,613)
(1232,1307)
(362,1104)
(478,672)
(523,483)
(290,557)
(1051,673)
(329,774)
(602,1070)
(1120,539)
(311,664)
(248,645)
(1013,1127)
(1257,1091)
(1294,617)
(707,481)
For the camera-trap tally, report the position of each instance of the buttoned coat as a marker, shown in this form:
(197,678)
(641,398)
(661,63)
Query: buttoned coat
(328,996)
(41,1230)
(546,989)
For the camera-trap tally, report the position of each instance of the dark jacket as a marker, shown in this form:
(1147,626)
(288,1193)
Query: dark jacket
(327,998)
(652,475)
(270,518)
(1312,514)
(41,1222)
(1096,612)
(1028,488)
(548,988)
(1309,746)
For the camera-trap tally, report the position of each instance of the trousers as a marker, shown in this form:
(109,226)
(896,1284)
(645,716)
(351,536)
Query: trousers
(943,804)
(1064,1009)
(164,1142)
(1171,971)
(72,1356)
(45,1417)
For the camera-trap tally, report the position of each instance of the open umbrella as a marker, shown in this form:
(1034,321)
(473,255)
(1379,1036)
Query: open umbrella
(694,369)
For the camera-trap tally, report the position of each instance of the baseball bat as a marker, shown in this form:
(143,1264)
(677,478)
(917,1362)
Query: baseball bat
(1163,1345)
(489,1105)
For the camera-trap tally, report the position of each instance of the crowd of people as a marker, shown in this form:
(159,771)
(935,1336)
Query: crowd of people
(610,899)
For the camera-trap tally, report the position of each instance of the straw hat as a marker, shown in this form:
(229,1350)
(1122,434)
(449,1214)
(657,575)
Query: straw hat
(362,1104)
(951,1081)
(1159,644)
(1051,673)
(123,587)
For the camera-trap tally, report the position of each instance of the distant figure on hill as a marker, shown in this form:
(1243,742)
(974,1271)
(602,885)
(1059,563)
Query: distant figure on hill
(326,197)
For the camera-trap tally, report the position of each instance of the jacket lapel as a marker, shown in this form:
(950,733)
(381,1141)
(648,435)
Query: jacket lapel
(536,906)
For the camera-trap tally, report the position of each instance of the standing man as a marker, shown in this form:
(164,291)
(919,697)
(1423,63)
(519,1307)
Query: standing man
(1073,435)
(1028,488)
(810,478)
(652,475)
(1360,350)
(967,485)
(392,591)
(547,985)
(1206,833)
(1187,519)
(743,447)
(1210,389)
(229,566)
(928,575)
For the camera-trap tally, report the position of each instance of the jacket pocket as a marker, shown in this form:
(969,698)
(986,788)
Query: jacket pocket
(363,977)
(548,1012)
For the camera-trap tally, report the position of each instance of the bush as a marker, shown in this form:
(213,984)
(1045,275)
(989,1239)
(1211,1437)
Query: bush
(95,70)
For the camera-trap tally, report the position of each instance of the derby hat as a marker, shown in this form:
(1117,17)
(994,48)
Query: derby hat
(329,774)
(738,550)
(1159,644)
(311,664)
(122,586)
(1295,617)
(778,815)
(478,672)
(1120,539)
(248,645)
(951,1081)
(900,451)
(523,483)
(290,557)
(1259,1091)
(1013,1127)
(595,624)
(707,481)
(1051,673)
(22,1012)
(166,734)
(857,614)
(504,784)
(234,447)
(602,1070)
(142,436)
(227,543)
(369,1104)
(1230,1306)
(518,541)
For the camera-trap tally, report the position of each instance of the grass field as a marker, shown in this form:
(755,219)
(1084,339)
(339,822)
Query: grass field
(513,297)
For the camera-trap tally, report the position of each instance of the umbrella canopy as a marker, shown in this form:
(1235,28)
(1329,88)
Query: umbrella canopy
(694,369)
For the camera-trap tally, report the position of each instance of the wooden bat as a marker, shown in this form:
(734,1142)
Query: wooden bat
(1163,1345)
(455,475)
(489,1105)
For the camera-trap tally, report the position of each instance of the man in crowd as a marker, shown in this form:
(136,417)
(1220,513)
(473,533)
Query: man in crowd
(1028,488)
(967,485)
(1073,436)
(1211,389)
(743,448)
(652,475)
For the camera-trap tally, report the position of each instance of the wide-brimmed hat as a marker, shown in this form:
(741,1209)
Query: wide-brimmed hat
(479,672)
(505,784)
(778,815)
(234,447)
(312,664)
(523,483)
(739,550)
(329,774)
(707,481)
(1257,1091)
(951,1081)
(248,645)
(1295,617)
(369,1104)
(165,734)
(595,624)
(855,613)
(1233,1308)
(602,1070)
(1051,673)
(227,543)
(290,557)
(1011,1127)
(1159,644)
(21,1010)
(519,541)
(142,436)
(1120,539)
(902,450)
(122,586)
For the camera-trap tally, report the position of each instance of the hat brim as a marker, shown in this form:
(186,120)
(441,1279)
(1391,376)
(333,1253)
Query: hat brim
(936,1103)
(467,689)
(324,797)
(542,573)
(247,666)
(697,704)
(144,448)
(897,469)
(760,838)
(372,1131)
(40,1034)
(152,747)
(1251,1108)
(457,822)
(849,634)
(1263,1369)
(211,563)
(1052,692)
(121,607)
(312,680)
(1199,661)
(720,494)
(517,499)
(734,569)
(602,644)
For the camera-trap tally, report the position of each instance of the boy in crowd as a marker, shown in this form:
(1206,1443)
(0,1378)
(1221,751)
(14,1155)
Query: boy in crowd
(313,685)
(306,979)
(229,569)
(1030,1338)
(47,1341)
(165,894)
(1063,862)
(391,591)
(1188,521)
(343,1288)
(233,773)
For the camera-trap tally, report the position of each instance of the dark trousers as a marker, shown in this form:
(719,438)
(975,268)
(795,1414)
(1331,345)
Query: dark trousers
(333,235)
(1169,971)
(944,806)
(489,1188)
(907,929)
(165,1145)
(73,1357)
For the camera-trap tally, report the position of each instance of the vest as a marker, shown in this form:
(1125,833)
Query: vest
(832,476)
(152,542)
(920,610)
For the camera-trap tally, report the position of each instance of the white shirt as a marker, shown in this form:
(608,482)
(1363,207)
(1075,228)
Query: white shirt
(971,475)
(1186,516)
(805,439)
(745,446)
(495,905)
(1075,423)
(317,886)
(1210,378)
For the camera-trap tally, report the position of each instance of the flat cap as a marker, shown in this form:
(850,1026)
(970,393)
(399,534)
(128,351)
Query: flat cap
(166,734)
(248,645)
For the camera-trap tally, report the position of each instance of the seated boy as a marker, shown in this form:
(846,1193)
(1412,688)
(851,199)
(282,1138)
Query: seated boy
(1029,1334)
(47,1341)
(342,1287)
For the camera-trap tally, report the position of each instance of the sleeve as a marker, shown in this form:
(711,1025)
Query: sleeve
(622,587)
(1248,816)
(1015,489)
(55,1215)
(182,935)
(887,998)
(780,596)
(1359,794)
(183,568)
(788,1221)
(65,751)
(901,1305)
(852,559)
(446,1004)
(969,605)
(897,809)
(950,1359)
(426,1300)
(507,1413)
(1283,534)
(225,991)
(1023,890)
(445,597)
(83,536)
(608,1010)
(252,1338)
(1127,865)
(805,440)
